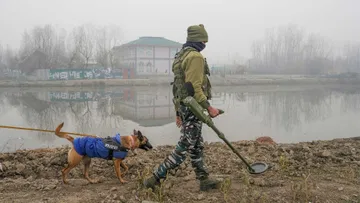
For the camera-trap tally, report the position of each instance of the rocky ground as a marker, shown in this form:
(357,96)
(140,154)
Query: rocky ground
(319,171)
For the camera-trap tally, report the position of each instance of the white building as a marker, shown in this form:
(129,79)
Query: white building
(146,56)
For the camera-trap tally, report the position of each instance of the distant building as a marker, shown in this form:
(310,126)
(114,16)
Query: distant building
(35,61)
(146,56)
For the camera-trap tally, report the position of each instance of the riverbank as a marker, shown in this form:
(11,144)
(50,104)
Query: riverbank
(165,81)
(318,171)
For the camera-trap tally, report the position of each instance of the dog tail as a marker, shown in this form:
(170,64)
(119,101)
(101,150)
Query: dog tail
(63,135)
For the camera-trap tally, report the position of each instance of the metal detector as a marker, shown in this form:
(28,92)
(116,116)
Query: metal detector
(255,168)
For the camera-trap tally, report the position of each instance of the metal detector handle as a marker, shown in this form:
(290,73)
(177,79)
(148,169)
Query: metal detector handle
(222,136)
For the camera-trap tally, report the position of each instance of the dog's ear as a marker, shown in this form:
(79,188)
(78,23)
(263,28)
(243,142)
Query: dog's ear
(135,132)
(140,135)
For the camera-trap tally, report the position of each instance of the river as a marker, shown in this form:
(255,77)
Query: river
(287,114)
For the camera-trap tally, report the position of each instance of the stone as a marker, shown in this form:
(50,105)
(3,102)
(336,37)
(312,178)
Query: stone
(200,197)
(346,198)
(325,153)
(30,178)
(20,168)
(56,161)
(50,187)
(122,198)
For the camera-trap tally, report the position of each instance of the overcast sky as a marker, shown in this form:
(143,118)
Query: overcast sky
(232,24)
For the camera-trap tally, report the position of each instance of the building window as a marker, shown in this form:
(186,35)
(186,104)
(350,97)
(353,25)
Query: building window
(149,52)
(141,67)
(149,67)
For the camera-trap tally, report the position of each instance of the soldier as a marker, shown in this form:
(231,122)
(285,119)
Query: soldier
(191,67)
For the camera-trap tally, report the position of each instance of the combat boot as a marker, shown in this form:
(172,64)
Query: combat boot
(151,182)
(207,184)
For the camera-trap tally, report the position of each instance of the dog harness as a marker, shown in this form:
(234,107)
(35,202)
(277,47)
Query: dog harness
(105,148)
(112,145)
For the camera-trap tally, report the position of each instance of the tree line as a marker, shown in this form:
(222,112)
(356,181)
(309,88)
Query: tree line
(78,48)
(286,49)
(290,50)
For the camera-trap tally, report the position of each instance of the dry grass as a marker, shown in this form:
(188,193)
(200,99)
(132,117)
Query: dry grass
(225,188)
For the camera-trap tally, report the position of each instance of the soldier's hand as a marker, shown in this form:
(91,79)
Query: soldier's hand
(213,112)
(178,121)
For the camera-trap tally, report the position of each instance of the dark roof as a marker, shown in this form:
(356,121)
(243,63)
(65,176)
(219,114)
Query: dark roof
(153,41)
(36,60)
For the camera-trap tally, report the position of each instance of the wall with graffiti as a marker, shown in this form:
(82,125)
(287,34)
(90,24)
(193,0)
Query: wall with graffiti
(82,74)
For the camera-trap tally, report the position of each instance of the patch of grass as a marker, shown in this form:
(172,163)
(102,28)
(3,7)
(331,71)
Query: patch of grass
(284,162)
(251,195)
(264,198)
(160,192)
(351,174)
(245,177)
(141,176)
(302,191)
(225,188)
(258,196)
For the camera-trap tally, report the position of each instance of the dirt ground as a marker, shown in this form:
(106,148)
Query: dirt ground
(319,171)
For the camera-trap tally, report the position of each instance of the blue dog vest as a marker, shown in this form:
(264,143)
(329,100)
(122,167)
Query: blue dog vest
(95,147)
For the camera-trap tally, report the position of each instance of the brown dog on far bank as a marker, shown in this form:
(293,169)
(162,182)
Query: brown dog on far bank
(130,142)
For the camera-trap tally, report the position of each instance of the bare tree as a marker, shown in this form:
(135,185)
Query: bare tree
(47,39)
(85,43)
(106,38)
(27,45)
(1,53)
(84,37)
(75,59)
(288,50)
(10,58)
(351,59)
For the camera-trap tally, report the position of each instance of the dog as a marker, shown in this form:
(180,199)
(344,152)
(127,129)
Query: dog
(116,147)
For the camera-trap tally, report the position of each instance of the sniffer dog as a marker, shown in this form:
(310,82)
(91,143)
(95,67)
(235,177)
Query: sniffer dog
(111,148)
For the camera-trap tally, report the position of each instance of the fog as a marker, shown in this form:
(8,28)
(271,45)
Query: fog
(232,25)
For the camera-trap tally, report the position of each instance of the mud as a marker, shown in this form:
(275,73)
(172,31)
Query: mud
(318,171)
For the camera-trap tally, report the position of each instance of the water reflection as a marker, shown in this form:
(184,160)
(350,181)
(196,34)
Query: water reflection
(290,109)
(97,112)
(286,115)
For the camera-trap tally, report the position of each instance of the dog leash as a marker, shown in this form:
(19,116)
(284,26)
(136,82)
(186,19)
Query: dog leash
(43,130)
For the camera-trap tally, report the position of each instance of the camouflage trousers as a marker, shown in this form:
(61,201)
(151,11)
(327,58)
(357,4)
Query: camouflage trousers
(191,142)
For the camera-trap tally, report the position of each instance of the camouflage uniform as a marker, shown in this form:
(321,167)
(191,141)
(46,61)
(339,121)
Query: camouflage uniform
(189,66)
(190,141)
